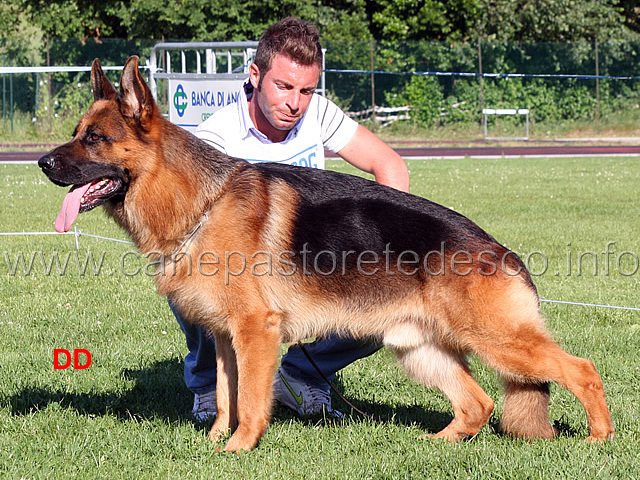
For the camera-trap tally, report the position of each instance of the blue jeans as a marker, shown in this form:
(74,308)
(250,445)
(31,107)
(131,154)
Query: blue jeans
(331,354)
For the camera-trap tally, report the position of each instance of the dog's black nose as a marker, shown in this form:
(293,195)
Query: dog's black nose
(46,163)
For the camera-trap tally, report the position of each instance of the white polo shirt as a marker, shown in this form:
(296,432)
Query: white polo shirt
(323,125)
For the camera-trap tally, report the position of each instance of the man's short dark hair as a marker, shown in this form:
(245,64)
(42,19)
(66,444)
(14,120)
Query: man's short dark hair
(297,39)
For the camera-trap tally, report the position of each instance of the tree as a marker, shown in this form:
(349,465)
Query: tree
(631,11)
(422,19)
(549,20)
(349,20)
(20,40)
(79,19)
(203,20)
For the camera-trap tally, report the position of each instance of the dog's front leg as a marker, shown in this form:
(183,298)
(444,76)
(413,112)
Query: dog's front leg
(256,342)
(226,388)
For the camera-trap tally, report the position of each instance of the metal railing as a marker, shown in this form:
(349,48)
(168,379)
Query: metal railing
(194,55)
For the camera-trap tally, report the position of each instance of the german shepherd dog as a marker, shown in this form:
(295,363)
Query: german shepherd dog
(262,254)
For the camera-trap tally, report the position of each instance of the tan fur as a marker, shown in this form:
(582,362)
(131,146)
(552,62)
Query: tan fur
(430,321)
(525,411)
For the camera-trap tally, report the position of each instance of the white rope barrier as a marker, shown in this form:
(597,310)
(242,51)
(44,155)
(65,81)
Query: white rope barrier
(77,233)
(634,309)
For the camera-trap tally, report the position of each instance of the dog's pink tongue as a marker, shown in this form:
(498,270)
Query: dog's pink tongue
(70,208)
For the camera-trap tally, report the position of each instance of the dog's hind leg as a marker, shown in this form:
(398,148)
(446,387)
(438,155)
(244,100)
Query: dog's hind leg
(256,341)
(447,371)
(509,335)
(531,357)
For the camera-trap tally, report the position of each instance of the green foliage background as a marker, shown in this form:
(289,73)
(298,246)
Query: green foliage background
(531,37)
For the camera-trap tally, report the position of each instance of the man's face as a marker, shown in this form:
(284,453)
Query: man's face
(284,94)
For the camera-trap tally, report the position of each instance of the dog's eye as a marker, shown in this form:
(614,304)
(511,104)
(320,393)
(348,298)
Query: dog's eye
(94,138)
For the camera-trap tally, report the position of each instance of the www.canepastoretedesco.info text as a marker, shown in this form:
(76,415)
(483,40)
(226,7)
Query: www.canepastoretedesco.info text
(605,262)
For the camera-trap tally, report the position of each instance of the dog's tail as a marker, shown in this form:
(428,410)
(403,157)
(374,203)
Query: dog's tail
(526,410)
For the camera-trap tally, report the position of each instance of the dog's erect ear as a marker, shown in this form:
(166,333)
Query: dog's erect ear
(135,96)
(102,87)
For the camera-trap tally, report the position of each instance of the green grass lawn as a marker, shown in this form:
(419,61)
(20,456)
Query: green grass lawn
(574,221)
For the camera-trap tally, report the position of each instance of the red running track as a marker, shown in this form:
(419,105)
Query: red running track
(443,152)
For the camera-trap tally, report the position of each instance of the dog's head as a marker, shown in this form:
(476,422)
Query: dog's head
(108,145)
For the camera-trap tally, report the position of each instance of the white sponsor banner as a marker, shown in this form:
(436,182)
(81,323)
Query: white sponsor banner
(191,102)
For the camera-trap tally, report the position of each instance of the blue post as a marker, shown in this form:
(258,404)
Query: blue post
(11,100)
(4,92)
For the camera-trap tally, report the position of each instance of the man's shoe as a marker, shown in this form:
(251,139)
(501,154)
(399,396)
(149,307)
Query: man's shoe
(204,406)
(303,398)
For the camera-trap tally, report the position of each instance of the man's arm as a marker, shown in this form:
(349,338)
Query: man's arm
(370,154)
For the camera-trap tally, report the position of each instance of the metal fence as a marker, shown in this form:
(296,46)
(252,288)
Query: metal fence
(440,83)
